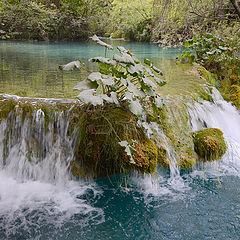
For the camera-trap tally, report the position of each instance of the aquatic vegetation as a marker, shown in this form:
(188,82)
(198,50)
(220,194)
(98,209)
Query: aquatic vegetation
(99,153)
(220,59)
(122,84)
(121,78)
(209,144)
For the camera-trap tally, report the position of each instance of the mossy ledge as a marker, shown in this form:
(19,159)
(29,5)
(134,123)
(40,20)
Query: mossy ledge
(174,121)
(96,133)
(25,107)
(209,144)
(98,152)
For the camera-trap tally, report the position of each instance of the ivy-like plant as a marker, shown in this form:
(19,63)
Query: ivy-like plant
(122,78)
(212,51)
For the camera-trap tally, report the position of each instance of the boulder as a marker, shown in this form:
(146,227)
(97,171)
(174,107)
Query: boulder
(98,152)
(209,144)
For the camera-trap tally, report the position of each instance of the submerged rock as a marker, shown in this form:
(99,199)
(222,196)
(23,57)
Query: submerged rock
(209,144)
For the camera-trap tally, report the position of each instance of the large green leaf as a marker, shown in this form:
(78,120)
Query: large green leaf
(96,39)
(70,66)
(104,60)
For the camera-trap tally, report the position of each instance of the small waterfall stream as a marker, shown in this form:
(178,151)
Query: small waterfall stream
(28,152)
(220,114)
(37,192)
(34,175)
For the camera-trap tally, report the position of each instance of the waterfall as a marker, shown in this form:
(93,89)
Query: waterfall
(220,114)
(28,151)
(35,153)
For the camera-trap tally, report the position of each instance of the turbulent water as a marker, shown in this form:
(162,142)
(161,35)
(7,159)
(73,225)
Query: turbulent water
(39,200)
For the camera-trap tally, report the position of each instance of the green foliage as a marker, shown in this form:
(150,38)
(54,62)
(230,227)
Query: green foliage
(221,57)
(169,23)
(121,79)
(131,19)
(51,20)
(123,82)
(211,50)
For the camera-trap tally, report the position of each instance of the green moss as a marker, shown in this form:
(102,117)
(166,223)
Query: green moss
(6,106)
(77,170)
(145,157)
(175,124)
(187,162)
(25,108)
(100,129)
(209,144)
(208,76)
(162,157)
(205,94)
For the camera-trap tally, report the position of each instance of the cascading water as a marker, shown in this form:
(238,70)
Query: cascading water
(220,114)
(40,200)
(34,179)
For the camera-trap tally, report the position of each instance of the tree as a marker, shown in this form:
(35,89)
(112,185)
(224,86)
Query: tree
(236,6)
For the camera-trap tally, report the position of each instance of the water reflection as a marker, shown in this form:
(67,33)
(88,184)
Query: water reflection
(31,68)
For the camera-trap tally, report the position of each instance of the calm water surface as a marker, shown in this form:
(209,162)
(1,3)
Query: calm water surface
(31,69)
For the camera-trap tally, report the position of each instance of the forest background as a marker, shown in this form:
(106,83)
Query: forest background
(168,22)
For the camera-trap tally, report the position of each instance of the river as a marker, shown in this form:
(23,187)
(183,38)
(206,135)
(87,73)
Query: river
(42,201)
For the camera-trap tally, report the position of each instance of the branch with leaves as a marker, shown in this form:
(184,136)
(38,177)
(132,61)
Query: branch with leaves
(121,79)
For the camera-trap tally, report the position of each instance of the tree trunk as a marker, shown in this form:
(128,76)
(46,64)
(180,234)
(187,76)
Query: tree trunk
(236,6)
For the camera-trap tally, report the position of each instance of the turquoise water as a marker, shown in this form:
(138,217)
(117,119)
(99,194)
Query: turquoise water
(31,69)
(203,203)
(201,209)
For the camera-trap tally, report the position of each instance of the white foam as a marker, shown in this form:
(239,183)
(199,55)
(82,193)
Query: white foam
(52,203)
(220,114)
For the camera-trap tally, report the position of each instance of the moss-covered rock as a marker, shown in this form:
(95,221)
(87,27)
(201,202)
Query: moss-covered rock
(145,157)
(235,95)
(98,151)
(6,106)
(174,121)
(77,170)
(162,157)
(26,107)
(209,144)
(185,161)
